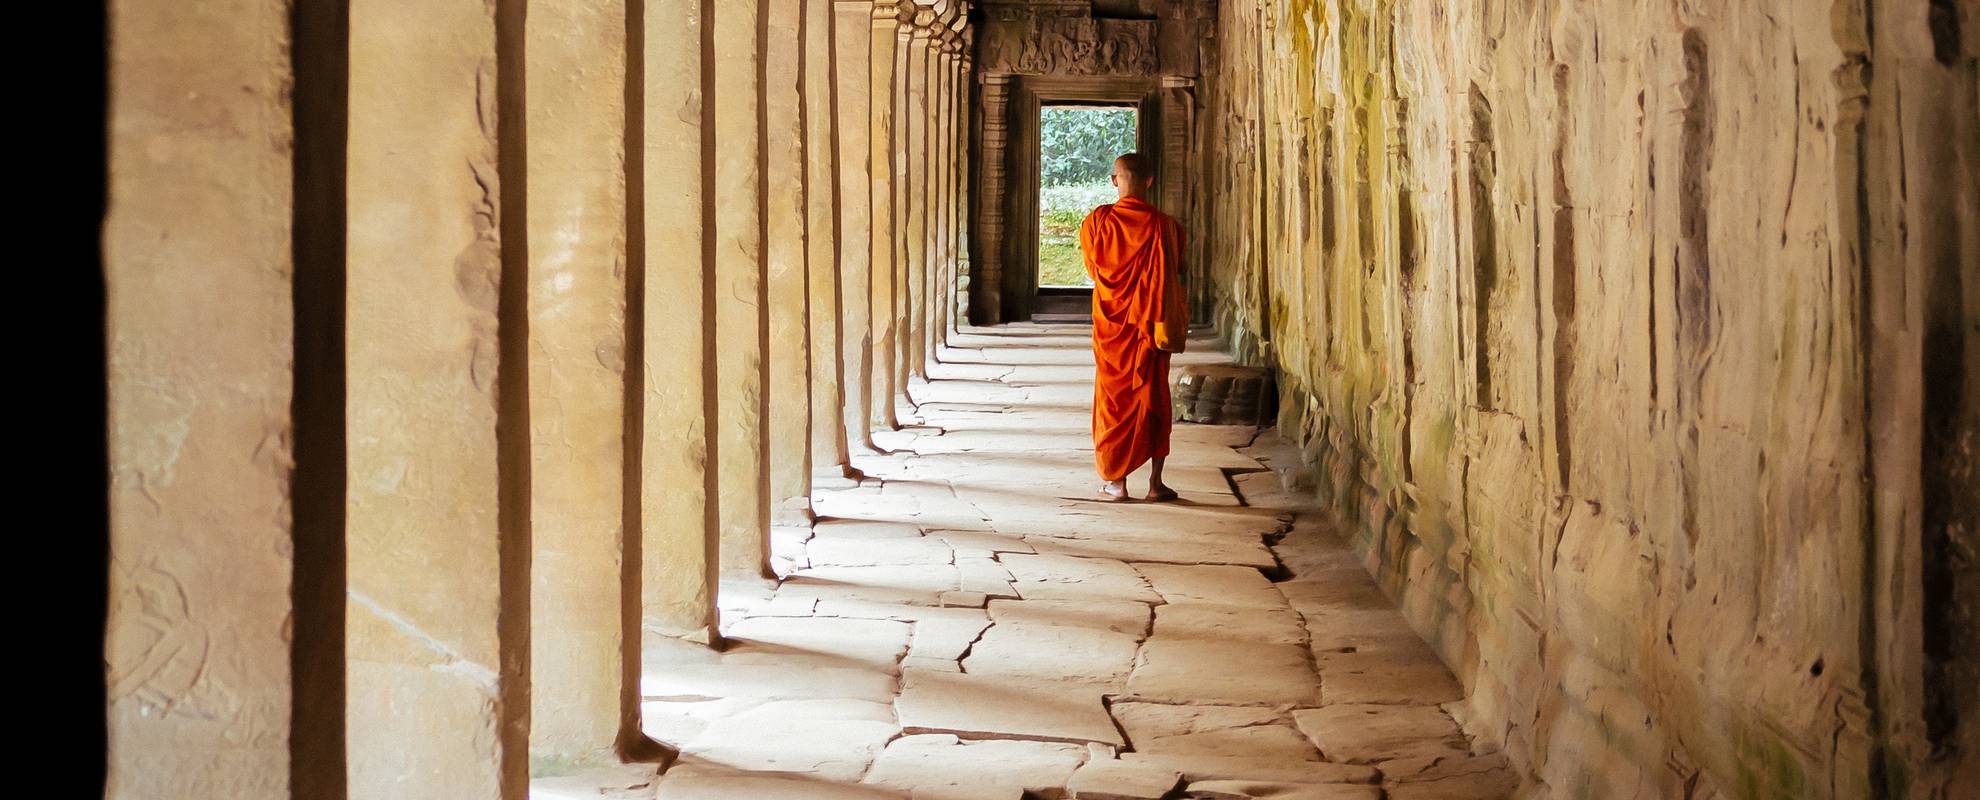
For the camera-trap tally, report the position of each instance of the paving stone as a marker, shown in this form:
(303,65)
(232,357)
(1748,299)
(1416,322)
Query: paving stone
(1450,777)
(832,739)
(1406,674)
(982,540)
(1233,731)
(1365,734)
(1223,671)
(946,633)
(1210,768)
(670,672)
(860,552)
(608,782)
(690,782)
(1195,550)
(1278,790)
(676,722)
(866,591)
(988,706)
(1054,653)
(1107,779)
(1216,584)
(986,577)
(939,767)
(1121,616)
(1248,623)
(878,644)
(1051,577)
(960,599)
(860,528)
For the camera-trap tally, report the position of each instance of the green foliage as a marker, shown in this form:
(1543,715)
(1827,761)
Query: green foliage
(1059,260)
(1078,145)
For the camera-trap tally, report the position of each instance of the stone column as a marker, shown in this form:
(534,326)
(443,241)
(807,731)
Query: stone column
(852,58)
(201,270)
(583,664)
(938,182)
(987,284)
(917,197)
(883,100)
(741,326)
(904,200)
(789,289)
(965,128)
(829,456)
(438,428)
(676,271)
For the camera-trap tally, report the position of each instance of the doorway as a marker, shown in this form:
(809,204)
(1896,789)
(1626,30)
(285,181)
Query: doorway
(1077,145)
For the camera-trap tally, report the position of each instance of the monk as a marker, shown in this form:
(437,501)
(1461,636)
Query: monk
(1133,253)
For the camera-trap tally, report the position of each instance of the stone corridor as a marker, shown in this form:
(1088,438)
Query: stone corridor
(969,623)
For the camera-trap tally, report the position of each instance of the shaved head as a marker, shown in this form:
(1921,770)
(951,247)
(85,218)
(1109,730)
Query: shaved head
(1134,174)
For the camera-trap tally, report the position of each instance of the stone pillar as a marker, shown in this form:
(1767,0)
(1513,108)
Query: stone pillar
(789,289)
(829,456)
(938,179)
(201,270)
(965,127)
(987,284)
(904,200)
(675,273)
(741,326)
(583,684)
(919,50)
(438,429)
(852,58)
(884,62)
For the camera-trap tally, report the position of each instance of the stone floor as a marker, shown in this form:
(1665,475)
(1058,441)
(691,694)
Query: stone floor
(969,622)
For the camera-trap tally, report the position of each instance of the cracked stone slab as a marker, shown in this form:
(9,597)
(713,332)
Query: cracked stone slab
(946,633)
(1183,550)
(844,551)
(940,767)
(993,707)
(1366,734)
(1450,777)
(1053,653)
(867,591)
(834,740)
(1408,673)
(1278,790)
(1120,616)
(1249,623)
(1215,584)
(982,540)
(1215,768)
(1108,779)
(1224,672)
(676,722)
(862,642)
(608,782)
(985,576)
(694,782)
(1223,731)
(1053,577)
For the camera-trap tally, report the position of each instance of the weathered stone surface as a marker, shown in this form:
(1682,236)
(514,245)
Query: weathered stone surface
(870,591)
(1364,734)
(946,633)
(1207,730)
(1278,790)
(674,669)
(1223,671)
(1404,674)
(939,767)
(1221,585)
(692,782)
(1107,779)
(1450,777)
(830,739)
(1246,623)
(1045,577)
(991,707)
(1196,768)
(1053,653)
(867,643)
(603,782)
(1121,616)
(847,551)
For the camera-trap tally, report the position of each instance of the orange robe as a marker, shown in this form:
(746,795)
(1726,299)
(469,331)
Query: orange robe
(1132,252)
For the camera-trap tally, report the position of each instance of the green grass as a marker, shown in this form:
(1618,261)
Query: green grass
(1059,260)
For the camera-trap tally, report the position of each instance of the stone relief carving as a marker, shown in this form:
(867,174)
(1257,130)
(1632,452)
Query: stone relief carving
(1040,44)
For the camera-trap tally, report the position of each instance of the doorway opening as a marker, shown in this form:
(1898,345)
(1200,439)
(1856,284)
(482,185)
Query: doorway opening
(1077,145)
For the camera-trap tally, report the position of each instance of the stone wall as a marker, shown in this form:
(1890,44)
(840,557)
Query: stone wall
(1635,344)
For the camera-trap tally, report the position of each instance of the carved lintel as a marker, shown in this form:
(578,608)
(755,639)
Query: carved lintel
(1061,44)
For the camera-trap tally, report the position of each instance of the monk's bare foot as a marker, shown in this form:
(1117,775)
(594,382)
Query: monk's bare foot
(1114,491)
(1161,494)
